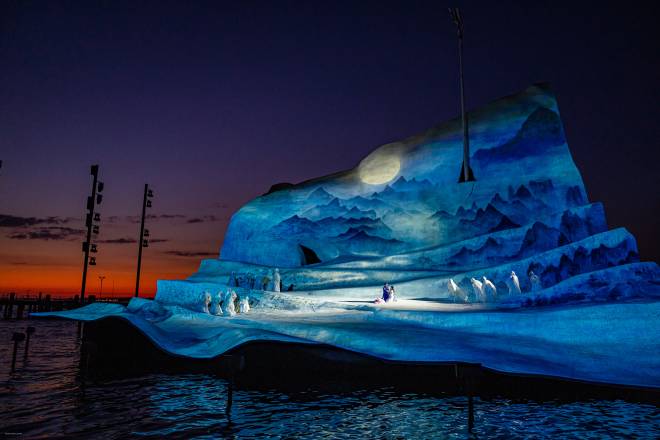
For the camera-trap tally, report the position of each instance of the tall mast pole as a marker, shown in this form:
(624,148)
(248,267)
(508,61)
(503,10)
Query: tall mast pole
(466,172)
(139,263)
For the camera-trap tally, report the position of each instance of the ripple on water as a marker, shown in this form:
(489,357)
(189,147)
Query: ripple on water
(44,399)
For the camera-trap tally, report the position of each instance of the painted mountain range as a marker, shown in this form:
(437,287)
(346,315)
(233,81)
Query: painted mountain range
(524,172)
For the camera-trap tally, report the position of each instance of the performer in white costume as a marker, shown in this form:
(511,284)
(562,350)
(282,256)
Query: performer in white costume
(276,280)
(216,308)
(392,297)
(230,309)
(513,284)
(207,302)
(489,289)
(455,292)
(244,305)
(478,289)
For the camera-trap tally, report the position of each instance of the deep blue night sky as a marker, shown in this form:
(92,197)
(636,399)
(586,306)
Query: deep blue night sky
(213,102)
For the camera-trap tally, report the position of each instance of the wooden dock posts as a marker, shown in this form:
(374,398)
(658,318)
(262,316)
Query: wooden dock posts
(469,375)
(16,338)
(235,364)
(15,308)
(8,306)
(28,332)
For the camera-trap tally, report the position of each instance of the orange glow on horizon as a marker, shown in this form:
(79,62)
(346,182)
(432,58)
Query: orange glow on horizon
(66,280)
(68,283)
(55,266)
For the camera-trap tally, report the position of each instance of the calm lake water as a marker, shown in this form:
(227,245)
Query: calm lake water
(45,398)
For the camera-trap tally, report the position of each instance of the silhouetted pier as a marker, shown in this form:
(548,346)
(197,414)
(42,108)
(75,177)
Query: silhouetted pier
(15,306)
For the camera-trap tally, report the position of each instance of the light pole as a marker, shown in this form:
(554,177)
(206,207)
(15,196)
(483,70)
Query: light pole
(143,242)
(101,278)
(90,218)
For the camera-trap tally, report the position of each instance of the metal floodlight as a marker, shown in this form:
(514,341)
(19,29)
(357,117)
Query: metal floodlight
(99,199)
(148,203)
(88,220)
(150,193)
(90,203)
(93,249)
(99,187)
(146,232)
(97,216)
(145,243)
(95,229)
(85,245)
(94,170)
(92,261)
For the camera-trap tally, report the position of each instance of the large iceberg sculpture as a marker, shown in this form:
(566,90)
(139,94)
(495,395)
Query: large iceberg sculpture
(400,216)
(521,237)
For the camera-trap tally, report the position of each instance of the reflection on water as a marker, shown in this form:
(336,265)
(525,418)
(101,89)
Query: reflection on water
(44,398)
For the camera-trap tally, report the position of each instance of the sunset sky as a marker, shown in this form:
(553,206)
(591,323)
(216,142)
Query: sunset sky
(211,104)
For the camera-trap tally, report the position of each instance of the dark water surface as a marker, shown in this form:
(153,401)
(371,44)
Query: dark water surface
(46,398)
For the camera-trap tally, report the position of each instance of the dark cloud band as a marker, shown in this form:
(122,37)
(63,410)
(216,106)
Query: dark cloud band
(47,233)
(191,254)
(12,221)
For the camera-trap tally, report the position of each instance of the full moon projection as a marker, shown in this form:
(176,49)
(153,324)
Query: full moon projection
(379,168)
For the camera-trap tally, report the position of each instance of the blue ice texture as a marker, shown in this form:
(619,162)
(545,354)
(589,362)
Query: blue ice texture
(517,271)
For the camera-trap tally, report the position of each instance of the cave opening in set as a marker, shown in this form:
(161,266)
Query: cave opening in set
(309,256)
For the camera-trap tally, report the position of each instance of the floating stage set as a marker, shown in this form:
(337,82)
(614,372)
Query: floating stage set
(517,271)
